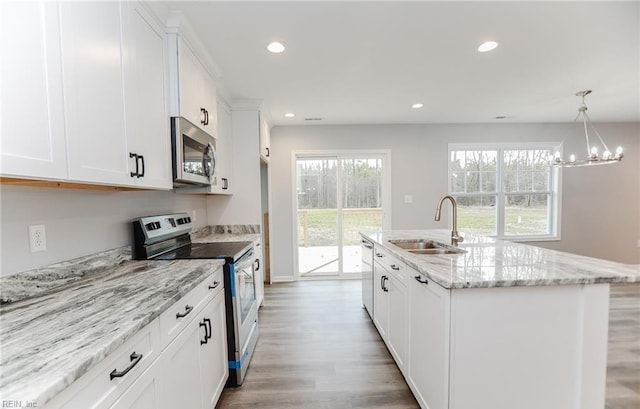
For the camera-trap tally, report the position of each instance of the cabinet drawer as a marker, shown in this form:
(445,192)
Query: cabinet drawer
(180,314)
(106,381)
(392,264)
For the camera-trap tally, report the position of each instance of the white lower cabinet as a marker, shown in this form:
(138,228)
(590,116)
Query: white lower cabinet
(214,365)
(195,365)
(144,393)
(380,300)
(428,366)
(390,305)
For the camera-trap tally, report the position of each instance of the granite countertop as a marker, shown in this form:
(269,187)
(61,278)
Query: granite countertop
(226,233)
(52,336)
(488,262)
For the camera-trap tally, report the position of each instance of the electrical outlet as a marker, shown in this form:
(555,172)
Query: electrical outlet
(37,238)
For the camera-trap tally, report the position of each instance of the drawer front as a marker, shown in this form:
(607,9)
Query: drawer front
(180,314)
(392,264)
(106,381)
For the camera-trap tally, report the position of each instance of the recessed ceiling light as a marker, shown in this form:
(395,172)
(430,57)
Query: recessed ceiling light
(289,114)
(416,106)
(276,47)
(487,46)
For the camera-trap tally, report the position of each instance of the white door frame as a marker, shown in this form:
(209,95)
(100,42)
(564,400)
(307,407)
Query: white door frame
(384,154)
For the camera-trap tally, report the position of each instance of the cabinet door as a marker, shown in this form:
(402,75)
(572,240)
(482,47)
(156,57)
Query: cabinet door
(181,374)
(224,148)
(32,125)
(147,122)
(144,393)
(381,300)
(265,141)
(214,368)
(429,343)
(197,90)
(398,317)
(259,273)
(93,92)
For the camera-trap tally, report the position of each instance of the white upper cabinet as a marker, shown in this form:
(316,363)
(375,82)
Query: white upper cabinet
(145,94)
(32,141)
(87,89)
(265,141)
(193,90)
(114,88)
(224,150)
(94,92)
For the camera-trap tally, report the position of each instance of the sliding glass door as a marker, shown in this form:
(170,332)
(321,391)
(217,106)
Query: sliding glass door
(337,196)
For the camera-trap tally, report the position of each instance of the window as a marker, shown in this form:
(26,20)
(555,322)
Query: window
(506,192)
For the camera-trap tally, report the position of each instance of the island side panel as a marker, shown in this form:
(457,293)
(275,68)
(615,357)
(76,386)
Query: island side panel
(528,347)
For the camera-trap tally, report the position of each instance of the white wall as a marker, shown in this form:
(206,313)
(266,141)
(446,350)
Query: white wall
(78,222)
(600,209)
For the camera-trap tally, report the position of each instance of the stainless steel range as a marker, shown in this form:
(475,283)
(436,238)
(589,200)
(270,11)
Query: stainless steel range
(166,237)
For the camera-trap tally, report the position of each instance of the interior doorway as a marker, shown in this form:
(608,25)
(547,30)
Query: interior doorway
(337,195)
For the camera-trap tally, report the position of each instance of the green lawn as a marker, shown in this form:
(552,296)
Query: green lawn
(318,227)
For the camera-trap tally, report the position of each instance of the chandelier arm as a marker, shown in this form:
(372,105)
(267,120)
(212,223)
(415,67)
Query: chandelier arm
(604,145)
(586,133)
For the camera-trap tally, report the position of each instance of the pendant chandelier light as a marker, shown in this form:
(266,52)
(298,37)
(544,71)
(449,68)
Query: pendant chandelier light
(593,157)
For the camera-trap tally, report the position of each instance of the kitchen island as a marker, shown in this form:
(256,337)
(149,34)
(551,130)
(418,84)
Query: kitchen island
(494,324)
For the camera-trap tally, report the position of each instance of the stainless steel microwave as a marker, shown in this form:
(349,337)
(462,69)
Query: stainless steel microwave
(194,154)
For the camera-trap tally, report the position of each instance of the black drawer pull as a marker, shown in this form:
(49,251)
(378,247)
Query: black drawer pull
(142,158)
(135,156)
(208,322)
(187,310)
(384,287)
(378,254)
(206,333)
(420,281)
(214,286)
(135,358)
(268,152)
(394,267)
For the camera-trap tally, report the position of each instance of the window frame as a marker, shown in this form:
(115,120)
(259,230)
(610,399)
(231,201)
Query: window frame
(555,187)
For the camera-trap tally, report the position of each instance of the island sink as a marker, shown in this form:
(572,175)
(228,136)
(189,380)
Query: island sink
(425,247)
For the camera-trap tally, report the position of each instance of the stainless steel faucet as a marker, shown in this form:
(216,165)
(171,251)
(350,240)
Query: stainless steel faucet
(455,237)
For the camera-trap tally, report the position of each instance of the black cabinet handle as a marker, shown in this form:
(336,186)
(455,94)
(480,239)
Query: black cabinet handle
(203,116)
(268,152)
(135,156)
(384,287)
(420,281)
(206,333)
(394,267)
(140,174)
(257,262)
(135,358)
(208,322)
(187,310)
(214,286)
(206,117)
(378,254)
(367,244)
(225,184)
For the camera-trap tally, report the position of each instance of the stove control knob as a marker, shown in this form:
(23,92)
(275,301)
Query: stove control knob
(152,226)
(184,220)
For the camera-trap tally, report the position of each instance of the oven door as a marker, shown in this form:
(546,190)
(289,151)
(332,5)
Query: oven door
(245,303)
(194,154)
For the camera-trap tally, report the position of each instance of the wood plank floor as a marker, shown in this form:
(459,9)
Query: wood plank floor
(319,350)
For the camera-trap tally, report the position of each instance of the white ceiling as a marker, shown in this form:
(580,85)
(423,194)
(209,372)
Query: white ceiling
(368,62)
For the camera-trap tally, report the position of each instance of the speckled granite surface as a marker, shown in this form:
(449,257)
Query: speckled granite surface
(223,233)
(497,263)
(51,339)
